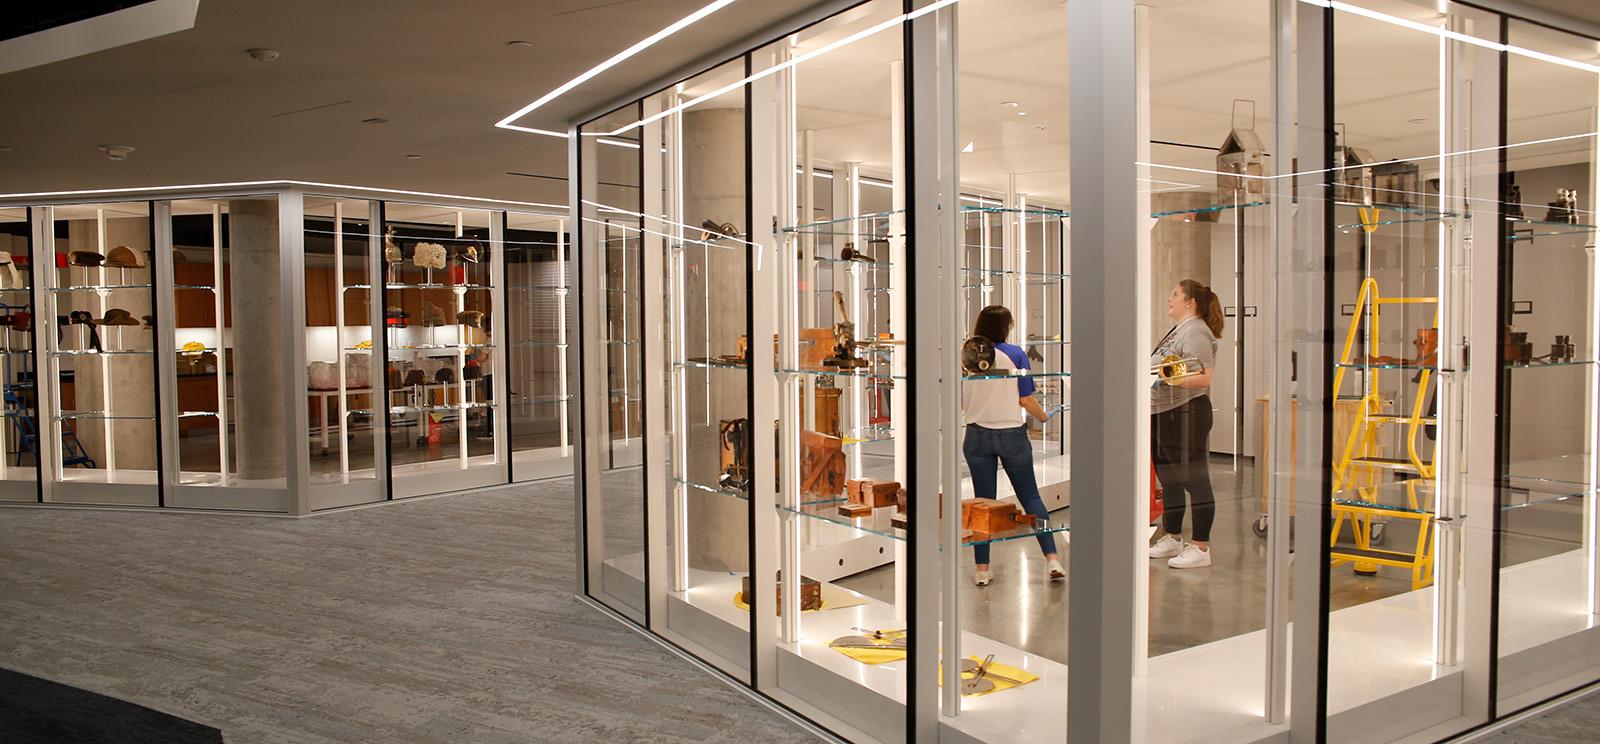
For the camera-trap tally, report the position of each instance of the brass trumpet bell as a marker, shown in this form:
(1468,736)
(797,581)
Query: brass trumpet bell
(1173,368)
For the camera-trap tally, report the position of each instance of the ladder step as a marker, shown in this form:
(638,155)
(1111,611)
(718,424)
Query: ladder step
(1400,418)
(1392,463)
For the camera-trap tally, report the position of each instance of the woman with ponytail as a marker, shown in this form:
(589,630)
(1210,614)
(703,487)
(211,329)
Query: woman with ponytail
(1180,425)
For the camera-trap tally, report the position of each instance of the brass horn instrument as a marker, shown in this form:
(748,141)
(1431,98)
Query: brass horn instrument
(1174,368)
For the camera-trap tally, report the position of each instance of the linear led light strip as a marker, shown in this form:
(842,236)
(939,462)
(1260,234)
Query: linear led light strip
(247,184)
(1454,35)
(615,60)
(1418,158)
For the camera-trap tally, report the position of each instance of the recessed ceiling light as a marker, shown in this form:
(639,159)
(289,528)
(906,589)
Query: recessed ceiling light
(1042,127)
(520,44)
(1010,104)
(116,152)
(375,120)
(1022,113)
(262,55)
(1418,120)
(413,157)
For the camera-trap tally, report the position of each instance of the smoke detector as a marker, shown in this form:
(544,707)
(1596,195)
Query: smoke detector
(262,55)
(118,153)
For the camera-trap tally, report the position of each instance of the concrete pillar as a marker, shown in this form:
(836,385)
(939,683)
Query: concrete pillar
(1178,250)
(713,163)
(257,338)
(129,378)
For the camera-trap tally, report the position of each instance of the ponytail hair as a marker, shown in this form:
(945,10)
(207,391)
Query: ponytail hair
(1206,304)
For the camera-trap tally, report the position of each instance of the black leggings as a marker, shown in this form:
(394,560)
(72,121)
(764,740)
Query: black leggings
(1180,447)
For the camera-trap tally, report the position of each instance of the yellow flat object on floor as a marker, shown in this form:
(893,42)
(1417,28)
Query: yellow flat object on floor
(1003,676)
(880,655)
(833,598)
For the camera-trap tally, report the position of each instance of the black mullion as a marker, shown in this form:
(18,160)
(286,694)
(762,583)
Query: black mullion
(381,407)
(913,630)
(750,377)
(504,259)
(644,393)
(1502,387)
(155,351)
(1325,161)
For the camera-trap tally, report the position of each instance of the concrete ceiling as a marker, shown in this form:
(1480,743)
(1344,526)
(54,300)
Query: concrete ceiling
(197,108)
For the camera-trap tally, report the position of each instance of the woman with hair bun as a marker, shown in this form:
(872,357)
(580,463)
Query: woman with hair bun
(1180,425)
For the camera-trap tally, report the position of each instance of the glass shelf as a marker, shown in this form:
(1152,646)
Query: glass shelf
(92,352)
(426,409)
(103,415)
(440,347)
(1337,502)
(197,414)
(1401,208)
(1540,365)
(1008,374)
(180,351)
(858,372)
(1045,342)
(1040,211)
(1374,365)
(703,488)
(97,287)
(542,399)
(710,364)
(851,262)
(1004,272)
(552,344)
(206,287)
(424,285)
(1214,208)
(880,522)
(822,228)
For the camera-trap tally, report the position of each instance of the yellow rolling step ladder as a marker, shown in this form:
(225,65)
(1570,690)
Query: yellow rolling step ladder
(1358,470)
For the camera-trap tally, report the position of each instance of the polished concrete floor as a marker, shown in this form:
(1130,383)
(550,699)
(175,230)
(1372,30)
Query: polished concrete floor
(1576,721)
(436,620)
(1195,606)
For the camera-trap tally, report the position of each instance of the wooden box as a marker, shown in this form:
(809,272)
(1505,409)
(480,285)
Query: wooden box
(989,517)
(854,510)
(821,465)
(826,411)
(873,493)
(810,592)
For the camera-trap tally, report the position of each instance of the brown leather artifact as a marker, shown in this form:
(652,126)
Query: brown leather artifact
(810,593)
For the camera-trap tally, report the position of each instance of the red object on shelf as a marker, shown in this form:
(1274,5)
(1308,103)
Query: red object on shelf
(1156,508)
(61,260)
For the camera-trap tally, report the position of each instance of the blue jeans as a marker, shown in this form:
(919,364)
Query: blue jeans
(988,449)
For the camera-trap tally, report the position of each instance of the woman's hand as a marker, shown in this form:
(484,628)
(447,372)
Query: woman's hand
(1031,405)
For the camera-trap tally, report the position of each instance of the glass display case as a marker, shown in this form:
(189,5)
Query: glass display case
(1354,202)
(165,378)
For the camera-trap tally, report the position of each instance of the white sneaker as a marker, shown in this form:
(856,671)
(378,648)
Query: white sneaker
(1057,573)
(982,578)
(1166,547)
(1191,557)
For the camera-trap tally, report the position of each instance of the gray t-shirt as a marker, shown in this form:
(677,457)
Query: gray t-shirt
(1189,339)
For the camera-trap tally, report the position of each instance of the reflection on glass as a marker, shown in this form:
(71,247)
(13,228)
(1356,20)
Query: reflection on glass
(538,291)
(19,456)
(342,385)
(100,365)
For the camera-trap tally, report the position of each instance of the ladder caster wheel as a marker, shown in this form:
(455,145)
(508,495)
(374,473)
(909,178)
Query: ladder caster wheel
(1365,569)
(1259,526)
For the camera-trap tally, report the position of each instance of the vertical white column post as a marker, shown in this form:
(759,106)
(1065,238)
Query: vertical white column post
(339,346)
(1146,225)
(1110,432)
(766,168)
(1591,514)
(951,257)
(292,317)
(563,391)
(662,194)
(1281,384)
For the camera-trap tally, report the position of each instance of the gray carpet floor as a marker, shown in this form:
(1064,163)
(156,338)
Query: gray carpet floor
(439,620)
(1576,721)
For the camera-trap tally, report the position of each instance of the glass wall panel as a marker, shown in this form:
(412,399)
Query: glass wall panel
(227,341)
(344,388)
(439,322)
(100,358)
(1012,130)
(1210,620)
(615,502)
(19,455)
(538,287)
(694,178)
(1547,550)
